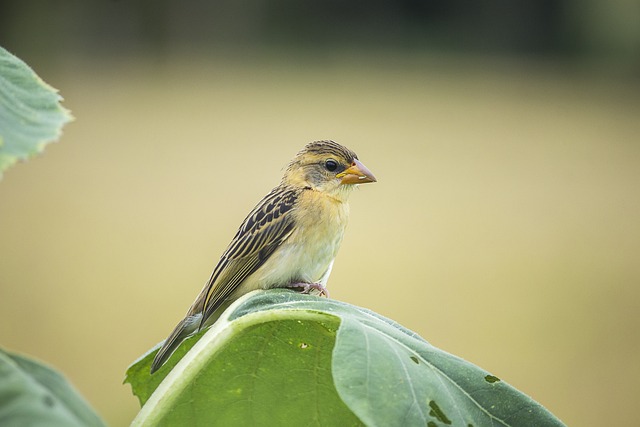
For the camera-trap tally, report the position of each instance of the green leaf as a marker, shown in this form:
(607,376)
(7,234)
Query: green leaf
(388,375)
(142,383)
(30,112)
(265,368)
(250,367)
(391,377)
(35,395)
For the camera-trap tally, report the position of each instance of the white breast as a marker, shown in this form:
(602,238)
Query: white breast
(308,254)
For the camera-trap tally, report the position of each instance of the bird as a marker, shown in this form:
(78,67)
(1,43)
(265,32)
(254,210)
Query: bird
(289,240)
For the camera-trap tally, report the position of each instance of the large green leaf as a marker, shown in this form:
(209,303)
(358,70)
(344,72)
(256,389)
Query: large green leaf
(277,353)
(389,377)
(30,111)
(32,394)
(267,368)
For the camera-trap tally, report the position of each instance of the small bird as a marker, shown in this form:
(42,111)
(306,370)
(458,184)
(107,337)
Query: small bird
(289,240)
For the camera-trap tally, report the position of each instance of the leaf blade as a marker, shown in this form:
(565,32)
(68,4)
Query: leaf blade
(388,375)
(34,394)
(269,367)
(431,385)
(30,112)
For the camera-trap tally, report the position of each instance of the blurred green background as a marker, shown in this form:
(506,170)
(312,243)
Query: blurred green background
(506,139)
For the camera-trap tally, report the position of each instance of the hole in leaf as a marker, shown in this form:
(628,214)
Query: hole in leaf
(415,360)
(303,345)
(437,413)
(491,379)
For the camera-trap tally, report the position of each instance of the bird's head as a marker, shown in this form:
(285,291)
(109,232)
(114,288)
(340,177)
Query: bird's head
(328,167)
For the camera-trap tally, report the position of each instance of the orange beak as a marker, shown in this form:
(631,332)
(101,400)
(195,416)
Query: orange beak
(356,174)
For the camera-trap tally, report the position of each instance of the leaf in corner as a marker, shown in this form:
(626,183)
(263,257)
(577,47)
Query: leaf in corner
(30,112)
(36,395)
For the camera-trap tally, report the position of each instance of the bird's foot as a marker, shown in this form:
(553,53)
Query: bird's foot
(307,288)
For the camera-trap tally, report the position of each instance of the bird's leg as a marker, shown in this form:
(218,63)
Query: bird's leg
(308,287)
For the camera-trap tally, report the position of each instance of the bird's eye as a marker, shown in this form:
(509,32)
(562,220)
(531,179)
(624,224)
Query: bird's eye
(331,165)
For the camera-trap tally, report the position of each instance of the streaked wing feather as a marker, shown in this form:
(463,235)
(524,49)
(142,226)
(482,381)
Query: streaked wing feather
(263,230)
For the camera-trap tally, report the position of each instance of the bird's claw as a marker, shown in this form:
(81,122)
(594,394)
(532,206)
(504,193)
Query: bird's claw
(308,287)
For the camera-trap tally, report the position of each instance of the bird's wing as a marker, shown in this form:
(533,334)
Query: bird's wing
(263,230)
(269,224)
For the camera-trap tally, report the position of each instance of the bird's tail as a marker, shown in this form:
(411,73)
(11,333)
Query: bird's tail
(187,327)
